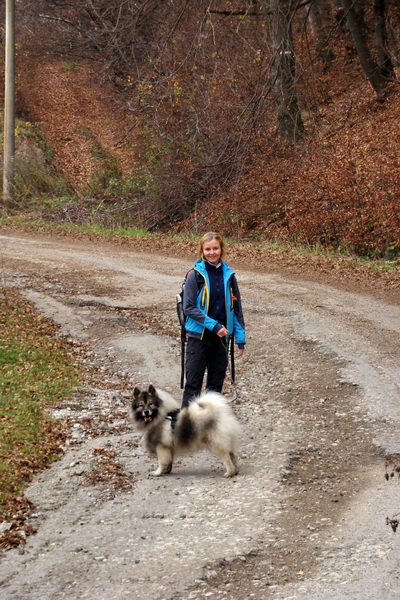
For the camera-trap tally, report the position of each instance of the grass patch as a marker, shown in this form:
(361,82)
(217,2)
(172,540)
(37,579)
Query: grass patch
(117,231)
(102,231)
(70,65)
(36,371)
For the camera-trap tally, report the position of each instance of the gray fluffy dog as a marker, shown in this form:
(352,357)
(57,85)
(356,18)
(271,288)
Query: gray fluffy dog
(208,422)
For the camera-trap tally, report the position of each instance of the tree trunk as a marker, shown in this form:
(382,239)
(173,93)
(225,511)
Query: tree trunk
(318,15)
(385,61)
(290,122)
(355,21)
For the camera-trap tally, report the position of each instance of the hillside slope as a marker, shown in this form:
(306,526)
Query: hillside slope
(339,188)
(342,187)
(79,114)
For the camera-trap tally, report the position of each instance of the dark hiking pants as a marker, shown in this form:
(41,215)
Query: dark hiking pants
(209,354)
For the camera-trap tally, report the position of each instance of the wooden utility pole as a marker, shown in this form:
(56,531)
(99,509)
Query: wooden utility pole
(9,105)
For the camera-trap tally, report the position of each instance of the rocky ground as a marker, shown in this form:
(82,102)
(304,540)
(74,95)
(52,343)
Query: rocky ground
(317,396)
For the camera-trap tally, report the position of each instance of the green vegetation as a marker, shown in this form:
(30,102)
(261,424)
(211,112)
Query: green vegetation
(37,183)
(106,177)
(36,371)
(70,65)
(90,229)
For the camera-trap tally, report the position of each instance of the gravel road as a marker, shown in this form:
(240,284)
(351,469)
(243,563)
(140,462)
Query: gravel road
(318,396)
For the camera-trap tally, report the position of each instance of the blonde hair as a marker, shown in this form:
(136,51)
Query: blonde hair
(209,237)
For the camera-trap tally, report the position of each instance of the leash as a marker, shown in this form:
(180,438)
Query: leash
(230,352)
(229,348)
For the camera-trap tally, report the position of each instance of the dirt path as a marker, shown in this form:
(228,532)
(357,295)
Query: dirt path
(317,394)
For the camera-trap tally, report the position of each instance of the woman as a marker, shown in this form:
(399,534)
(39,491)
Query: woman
(211,303)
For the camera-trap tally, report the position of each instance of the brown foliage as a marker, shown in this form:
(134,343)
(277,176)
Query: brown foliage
(342,190)
(190,121)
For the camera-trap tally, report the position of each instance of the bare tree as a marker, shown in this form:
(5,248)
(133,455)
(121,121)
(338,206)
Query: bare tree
(320,18)
(384,58)
(354,16)
(290,121)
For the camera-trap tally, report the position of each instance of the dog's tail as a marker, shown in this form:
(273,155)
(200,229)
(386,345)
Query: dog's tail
(212,405)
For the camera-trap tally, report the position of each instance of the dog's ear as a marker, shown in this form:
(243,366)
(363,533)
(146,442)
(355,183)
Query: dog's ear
(152,390)
(136,392)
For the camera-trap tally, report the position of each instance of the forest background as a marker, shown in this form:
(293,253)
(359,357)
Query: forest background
(263,119)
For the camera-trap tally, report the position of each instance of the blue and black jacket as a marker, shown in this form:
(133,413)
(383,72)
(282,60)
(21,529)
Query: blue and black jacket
(196,300)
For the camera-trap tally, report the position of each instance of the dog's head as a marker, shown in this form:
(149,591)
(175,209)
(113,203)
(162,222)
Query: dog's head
(145,407)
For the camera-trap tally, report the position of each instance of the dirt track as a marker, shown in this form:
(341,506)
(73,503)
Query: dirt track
(317,394)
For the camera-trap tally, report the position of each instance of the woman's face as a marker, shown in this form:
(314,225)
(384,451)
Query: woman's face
(212,252)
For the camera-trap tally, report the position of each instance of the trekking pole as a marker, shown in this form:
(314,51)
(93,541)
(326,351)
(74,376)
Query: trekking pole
(232,352)
(181,317)
(183,341)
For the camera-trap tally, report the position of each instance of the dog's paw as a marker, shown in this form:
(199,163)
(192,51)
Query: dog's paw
(164,470)
(231,473)
(157,473)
